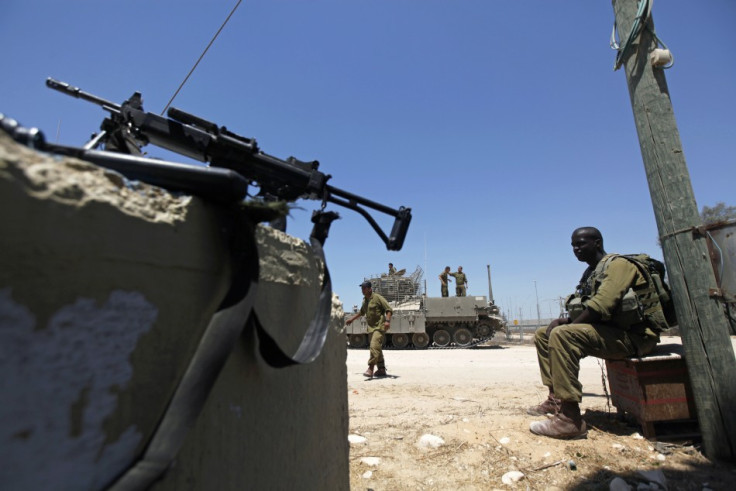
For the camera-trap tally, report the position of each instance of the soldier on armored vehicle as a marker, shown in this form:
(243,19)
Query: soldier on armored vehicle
(420,320)
(444,278)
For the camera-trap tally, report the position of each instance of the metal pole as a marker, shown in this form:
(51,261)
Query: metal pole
(490,290)
(539,318)
(521,322)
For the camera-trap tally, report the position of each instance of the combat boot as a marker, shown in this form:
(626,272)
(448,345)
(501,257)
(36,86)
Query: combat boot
(381,372)
(369,373)
(550,406)
(567,424)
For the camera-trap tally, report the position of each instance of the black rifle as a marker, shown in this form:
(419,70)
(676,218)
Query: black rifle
(235,161)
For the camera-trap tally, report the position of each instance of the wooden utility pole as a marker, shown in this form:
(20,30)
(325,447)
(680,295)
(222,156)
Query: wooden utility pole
(705,331)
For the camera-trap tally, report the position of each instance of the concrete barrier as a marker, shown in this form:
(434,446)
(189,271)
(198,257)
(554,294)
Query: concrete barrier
(106,288)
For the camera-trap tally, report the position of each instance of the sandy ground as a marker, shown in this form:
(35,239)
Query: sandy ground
(475,401)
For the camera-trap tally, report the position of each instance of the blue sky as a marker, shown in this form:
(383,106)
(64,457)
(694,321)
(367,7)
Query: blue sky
(501,124)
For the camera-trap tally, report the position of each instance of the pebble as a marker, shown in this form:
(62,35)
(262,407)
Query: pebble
(356,439)
(504,440)
(367,474)
(427,440)
(656,477)
(371,461)
(512,477)
(618,484)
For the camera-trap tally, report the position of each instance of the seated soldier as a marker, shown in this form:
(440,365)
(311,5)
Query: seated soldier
(599,324)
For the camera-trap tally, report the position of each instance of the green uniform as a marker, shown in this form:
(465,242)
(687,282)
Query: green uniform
(460,280)
(559,354)
(443,285)
(374,309)
(391,270)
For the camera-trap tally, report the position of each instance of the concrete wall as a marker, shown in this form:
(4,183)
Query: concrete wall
(266,428)
(105,291)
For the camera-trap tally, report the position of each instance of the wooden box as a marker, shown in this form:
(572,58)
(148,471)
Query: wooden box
(652,389)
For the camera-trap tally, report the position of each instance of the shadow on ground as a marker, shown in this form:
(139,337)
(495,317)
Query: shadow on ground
(699,475)
(609,422)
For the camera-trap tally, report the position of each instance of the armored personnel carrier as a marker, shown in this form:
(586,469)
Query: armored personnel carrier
(420,321)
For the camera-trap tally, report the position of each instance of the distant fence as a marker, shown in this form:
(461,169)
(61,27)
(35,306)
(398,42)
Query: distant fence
(527,325)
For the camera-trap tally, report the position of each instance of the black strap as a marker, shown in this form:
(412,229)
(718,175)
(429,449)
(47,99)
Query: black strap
(314,339)
(215,347)
(213,350)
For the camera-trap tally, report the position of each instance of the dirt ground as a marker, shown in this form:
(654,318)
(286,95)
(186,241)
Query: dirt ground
(475,401)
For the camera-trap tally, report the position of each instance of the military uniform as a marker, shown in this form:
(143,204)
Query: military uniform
(374,309)
(391,270)
(460,280)
(615,337)
(443,286)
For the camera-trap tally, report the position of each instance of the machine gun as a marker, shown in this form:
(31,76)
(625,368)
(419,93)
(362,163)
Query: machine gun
(235,162)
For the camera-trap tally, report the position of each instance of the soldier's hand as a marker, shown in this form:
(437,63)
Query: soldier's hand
(556,323)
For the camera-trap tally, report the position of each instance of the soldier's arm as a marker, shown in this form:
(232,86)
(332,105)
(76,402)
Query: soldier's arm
(620,276)
(587,316)
(360,312)
(388,312)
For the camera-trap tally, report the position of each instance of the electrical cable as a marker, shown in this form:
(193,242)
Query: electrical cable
(643,14)
(634,32)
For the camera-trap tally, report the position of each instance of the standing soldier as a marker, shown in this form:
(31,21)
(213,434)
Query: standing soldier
(444,278)
(377,314)
(461,281)
(391,269)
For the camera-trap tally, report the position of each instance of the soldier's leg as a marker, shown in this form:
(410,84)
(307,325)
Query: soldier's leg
(444,291)
(551,404)
(377,350)
(568,344)
(541,341)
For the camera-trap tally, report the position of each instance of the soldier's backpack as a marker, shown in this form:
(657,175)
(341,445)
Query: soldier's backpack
(654,271)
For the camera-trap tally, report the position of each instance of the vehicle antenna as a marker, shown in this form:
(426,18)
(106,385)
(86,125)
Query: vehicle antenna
(200,57)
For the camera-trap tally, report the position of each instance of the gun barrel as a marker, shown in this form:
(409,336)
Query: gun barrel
(70,90)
